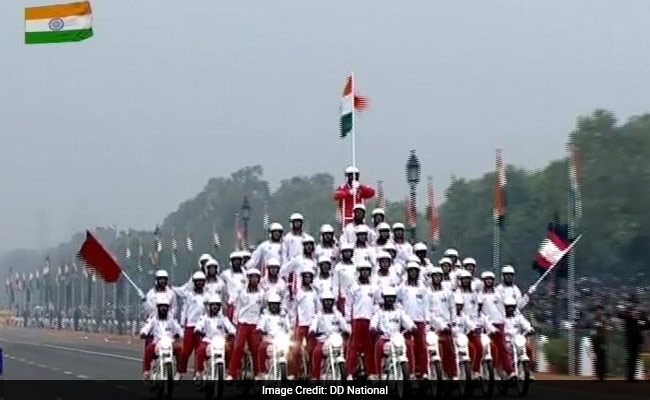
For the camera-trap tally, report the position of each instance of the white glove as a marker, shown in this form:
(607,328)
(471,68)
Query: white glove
(355,185)
(353,192)
(532,289)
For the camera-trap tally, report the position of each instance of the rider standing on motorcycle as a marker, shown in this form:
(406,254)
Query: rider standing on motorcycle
(267,250)
(363,251)
(396,264)
(327,246)
(494,310)
(390,320)
(380,236)
(295,265)
(508,289)
(421,251)
(359,309)
(209,325)
(469,264)
(271,324)
(324,282)
(193,308)
(448,278)
(160,287)
(272,282)
(378,216)
(344,274)
(516,324)
(471,307)
(385,275)
(293,242)
(349,234)
(249,303)
(213,282)
(162,324)
(306,305)
(441,303)
(326,322)
(235,280)
(403,247)
(203,259)
(414,298)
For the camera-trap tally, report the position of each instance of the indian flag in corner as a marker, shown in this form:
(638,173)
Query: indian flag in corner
(349,103)
(58,23)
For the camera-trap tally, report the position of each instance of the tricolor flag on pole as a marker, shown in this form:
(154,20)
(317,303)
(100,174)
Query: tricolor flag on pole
(434,224)
(499,190)
(239,235)
(349,103)
(58,23)
(551,250)
(574,182)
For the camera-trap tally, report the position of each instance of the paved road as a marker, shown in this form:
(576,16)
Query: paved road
(40,354)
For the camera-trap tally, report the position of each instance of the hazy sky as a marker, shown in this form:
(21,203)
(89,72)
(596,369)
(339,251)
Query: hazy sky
(121,128)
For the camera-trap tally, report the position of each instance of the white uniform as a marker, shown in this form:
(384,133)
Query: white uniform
(324,325)
(272,325)
(472,300)
(235,282)
(389,280)
(322,284)
(361,301)
(441,303)
(296,264)
(349,234)
(291,246)
(305,306)
(150,301)
(517,324)
(266,251)
(158,328)
(216,286)
(193,307)
(414,301)
(280,287)
(219,325)
(514,292)
(344,276)
(493,307)
(331,252)
(388,323)
(248,306)
(462,323)
(367,254)
(404,251)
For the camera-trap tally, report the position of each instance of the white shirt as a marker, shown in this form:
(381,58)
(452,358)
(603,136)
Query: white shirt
(404,251)
(324,325)
(389,280)
(390,322)
(517,324)
(161,327)
(330,252)
(291,246)
(414,301)
(218,325)
(441,303)
(360,303)
(150,308)
(367,254)
(272,325)
(493,307)
(235,282)
(193,306)
(322,284)
(248,306)
(280,287)
(263,253)
(344,276)
(472,300)
(306,305)
(216,286)
(514,292)
(349,234)
(462,323)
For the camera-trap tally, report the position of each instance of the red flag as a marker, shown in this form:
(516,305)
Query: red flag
(551,251)
(410,216)
(499,190)
(434,224)
(97,258)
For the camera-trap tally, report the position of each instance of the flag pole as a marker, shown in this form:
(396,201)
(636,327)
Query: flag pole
(567,250)
(571,276)
(137,289)
(354,141)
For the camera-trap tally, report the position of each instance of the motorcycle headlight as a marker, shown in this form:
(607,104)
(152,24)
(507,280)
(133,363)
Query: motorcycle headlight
(336,340)
(218,342)
(485,340)
(520,341)
(398,340)
(432,338)
(461,340)
(282,342)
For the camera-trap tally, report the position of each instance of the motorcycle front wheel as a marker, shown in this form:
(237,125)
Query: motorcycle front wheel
(487,378)
(435,378)
(523,378)
(401,380)
(465,379)
(168,383)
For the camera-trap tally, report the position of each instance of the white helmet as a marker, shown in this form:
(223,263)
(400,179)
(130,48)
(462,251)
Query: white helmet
(253,271)
(162,299)
(215,298)
(275,227)
(383,227)
(308,239)
(398,225)
(388,291)
(347,246)
(469,260)
(351,170)
(378,211)
(198,275)
(204,257)
(327,295)
(413,258)
(296,217)
(360,229)
(389,246)
(323,258)
(458,298)
(364,264)
(510,301)
(444,260)
(235,254)
(451,253)
(383,254)
(487,274)
(273,297)
(359,207)
(507,269)
(161,273)
(212,263)
(245,253)
(327,228)
(307,269)
(273,262)
(436,270)
(413,265)
(420,247)
(464,274)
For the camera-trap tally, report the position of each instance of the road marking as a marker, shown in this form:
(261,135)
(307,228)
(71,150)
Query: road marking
(82,377)
(96,353)
(67,372)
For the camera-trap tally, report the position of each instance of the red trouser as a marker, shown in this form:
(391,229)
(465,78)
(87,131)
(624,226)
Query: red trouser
(201,355)
(419,353)
(150,351)
(340,304)
(317,356)
(445,342)
(379,352)
(361,342)
(190,343)
(230,311)
(246,334)
(263,356)
(475,350)
(301,332)
(501,357)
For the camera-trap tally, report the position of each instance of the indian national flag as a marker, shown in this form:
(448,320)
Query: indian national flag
(499,190)
(58,23)
(349,103)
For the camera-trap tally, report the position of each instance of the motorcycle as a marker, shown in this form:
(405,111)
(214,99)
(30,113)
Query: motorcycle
(278,351)
(435,364)
(486,373)
(521,363)
(463,364)
(394,364)
(213,376)
(334,368)
(162,372)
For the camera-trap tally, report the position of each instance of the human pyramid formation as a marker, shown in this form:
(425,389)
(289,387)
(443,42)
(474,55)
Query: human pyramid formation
(368,285)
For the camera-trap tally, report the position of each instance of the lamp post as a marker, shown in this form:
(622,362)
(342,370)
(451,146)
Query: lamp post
(245,216)
(413,178)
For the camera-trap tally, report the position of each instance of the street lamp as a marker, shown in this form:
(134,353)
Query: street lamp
(245,216)
(413,178)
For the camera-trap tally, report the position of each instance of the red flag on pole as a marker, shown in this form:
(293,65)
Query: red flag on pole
(434,224)
(551,251)
(97,258)
(499,190)
(410,217)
